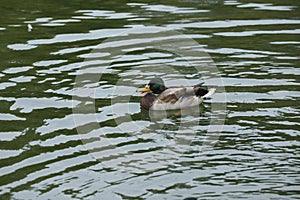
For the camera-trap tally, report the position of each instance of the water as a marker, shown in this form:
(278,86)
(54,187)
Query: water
(66,135)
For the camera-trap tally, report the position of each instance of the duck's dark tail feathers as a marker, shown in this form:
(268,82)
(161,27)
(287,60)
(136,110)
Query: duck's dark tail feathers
(200,92)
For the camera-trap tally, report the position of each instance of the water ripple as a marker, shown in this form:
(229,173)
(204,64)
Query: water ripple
(122,151)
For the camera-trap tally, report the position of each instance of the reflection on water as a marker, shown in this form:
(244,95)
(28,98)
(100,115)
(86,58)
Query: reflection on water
(125,152)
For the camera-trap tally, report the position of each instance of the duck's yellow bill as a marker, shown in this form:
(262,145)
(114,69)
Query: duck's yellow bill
(146,89)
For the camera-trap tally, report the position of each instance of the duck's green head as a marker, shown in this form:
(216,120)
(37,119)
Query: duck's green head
(156,85)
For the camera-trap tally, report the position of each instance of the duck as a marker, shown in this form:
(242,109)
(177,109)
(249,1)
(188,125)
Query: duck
(156,96)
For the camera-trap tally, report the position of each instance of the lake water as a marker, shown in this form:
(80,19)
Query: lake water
(71,124)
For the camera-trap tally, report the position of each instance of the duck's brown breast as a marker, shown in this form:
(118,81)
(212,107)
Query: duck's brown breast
(148,100)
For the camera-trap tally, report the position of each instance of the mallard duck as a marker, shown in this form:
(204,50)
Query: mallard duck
(158,97)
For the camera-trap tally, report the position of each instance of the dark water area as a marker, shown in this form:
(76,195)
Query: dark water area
(71,123)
